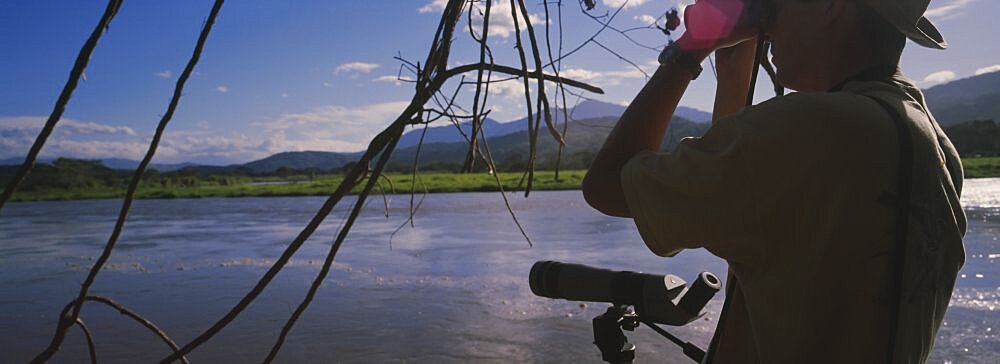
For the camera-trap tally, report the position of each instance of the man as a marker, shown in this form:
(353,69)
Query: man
(836,207)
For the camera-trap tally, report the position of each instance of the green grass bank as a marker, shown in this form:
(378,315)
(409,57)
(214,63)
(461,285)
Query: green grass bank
(319,185)
(324,184)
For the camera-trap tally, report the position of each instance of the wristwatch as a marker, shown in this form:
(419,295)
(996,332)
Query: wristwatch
(672,54)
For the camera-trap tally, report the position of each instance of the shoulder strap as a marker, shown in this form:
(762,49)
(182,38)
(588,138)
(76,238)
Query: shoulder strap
(905,175)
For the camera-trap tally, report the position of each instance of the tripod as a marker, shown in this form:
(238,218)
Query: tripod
(614,345)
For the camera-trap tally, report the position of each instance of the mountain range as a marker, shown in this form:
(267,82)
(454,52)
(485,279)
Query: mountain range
(968,99)
(973,98)
(588,109)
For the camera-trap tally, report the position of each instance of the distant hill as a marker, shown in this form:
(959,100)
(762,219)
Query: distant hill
(968,99)
(588,109)
(980,138)
(302,160)
(583,139)
(112,163)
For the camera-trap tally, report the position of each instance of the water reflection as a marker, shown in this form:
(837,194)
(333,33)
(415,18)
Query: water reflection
(452,288)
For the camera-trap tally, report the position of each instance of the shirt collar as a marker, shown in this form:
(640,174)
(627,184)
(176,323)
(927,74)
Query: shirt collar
(881,72)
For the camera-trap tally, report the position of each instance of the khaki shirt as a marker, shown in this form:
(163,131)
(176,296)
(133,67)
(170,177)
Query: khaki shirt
(788,193)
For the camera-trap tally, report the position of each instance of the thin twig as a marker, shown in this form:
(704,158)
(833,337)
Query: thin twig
(144,322)
(90,340)
(561,89)
(522,73)
(604,27)
(470,158)
(496,176)
(622,58)
(413,177)
(532,130)
(358,204)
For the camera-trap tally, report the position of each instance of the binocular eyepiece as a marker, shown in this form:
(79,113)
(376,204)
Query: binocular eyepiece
(656,298)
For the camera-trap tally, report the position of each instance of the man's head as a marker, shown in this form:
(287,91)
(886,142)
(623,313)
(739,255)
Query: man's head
(818,43)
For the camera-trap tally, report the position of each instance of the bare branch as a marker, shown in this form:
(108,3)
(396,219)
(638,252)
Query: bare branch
(516,72)
(90,340)
(130,194)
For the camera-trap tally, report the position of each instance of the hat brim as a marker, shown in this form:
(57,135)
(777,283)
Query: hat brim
(926,34)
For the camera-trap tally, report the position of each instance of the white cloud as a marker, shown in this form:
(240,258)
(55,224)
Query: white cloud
(645,19)
(512,90)
(164,74)
(950,10)
(940,77)
(580,74)
(355,67)
(627,3)
(222,89)
(501,19)
(67,125)
(388,78)
(284,95)
(433,6)
(95,149)
(326,128)
(182,146)
(989,69)
(604,78)
(71,138)
(330,128)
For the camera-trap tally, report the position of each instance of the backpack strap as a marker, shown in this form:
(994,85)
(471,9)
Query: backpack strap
(902,204)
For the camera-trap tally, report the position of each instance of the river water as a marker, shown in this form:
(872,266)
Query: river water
(453,288)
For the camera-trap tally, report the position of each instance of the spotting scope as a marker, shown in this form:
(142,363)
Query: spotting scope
(657,298)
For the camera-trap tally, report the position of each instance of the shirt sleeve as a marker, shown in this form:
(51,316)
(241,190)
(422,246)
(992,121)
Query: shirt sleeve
(701,195)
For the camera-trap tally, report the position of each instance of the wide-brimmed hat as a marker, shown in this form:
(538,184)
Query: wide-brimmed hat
(908,17)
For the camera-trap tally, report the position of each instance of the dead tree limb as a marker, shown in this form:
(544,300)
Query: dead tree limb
(470,158)
(66,321)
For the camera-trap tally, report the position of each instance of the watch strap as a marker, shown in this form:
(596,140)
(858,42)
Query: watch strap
(673,54)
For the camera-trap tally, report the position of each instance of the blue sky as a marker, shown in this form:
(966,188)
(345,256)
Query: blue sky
(319,75)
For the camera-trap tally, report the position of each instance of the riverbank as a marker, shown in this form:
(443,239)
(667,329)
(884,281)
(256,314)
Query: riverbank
(981,167)
(324,184)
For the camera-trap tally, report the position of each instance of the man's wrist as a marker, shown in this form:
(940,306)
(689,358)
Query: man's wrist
(675,55)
